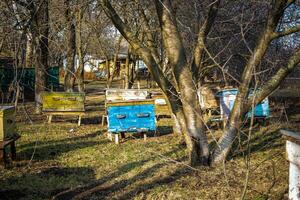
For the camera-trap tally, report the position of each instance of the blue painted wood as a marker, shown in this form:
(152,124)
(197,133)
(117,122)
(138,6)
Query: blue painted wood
(131,118)
(227,98)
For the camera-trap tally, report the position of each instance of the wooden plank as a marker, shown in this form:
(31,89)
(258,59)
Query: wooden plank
(81,113)
(131,102)
(125,94)
(291,136)
(6,142)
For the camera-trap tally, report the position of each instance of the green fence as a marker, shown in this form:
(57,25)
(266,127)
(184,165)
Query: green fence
(26,78)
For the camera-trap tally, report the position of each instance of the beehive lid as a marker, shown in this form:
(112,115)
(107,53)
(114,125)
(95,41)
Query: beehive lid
(291,135)
(125,94)
(227,92)
(5,109)
(130,102)
(2,108)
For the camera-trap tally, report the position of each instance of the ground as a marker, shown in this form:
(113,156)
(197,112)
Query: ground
(64,161)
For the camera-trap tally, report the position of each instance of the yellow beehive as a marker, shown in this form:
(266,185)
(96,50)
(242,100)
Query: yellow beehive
(63,101)
(7,122)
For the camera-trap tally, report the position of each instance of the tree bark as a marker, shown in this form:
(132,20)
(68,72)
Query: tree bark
(115,68)
(71,47)
(29,51)
(240,108)
(183,106)
(41,32)
(127,73)
(199,151)
(80,69)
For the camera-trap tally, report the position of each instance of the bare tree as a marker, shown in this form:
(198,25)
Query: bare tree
(180,88)
(242,105)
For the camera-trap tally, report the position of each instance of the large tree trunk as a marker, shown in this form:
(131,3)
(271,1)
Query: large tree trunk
(41,32)
(184,106)
(194,124)
(71,47)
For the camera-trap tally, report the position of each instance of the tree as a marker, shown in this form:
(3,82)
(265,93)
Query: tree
(241,106)
(79,48)
(40,34)
(186,109)
(71,47)
(179,88)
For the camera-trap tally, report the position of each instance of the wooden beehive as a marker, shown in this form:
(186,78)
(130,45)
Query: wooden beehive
(207,97)
(131,116)
(7,122)
(63,101)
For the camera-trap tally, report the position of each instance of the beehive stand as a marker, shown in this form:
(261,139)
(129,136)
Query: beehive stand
(293,154)
(50,115)
(8,142)
(117,136)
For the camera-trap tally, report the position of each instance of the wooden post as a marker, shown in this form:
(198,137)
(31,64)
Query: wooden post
(117,138)
(13,150)
(79,120)
(109,136)
(49,119)
(293,152)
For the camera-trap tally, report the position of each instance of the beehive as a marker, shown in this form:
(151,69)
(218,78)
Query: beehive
(63,101)
(227,99)
(131,116)
(7,122)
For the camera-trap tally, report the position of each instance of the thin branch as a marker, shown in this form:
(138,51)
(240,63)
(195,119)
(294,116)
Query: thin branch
(289,31)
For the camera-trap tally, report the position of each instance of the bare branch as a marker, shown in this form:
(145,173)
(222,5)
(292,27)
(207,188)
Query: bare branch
(292,30)
(202,34)
(275,81)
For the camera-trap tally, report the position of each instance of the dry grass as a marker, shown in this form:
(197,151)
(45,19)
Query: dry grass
(64,161)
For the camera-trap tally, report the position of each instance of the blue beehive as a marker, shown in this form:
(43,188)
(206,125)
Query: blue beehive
(131,116)
(227,98)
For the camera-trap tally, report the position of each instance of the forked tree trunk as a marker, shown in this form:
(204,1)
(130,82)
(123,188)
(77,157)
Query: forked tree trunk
(240,105)
(184,106)
(41,32)
(193,125)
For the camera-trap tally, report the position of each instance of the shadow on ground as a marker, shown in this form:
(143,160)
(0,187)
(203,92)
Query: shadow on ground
(80,183)
(269,139)
(47,150)
(45,183)
(104,188)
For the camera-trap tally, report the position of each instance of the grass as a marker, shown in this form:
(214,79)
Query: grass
(63,161)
